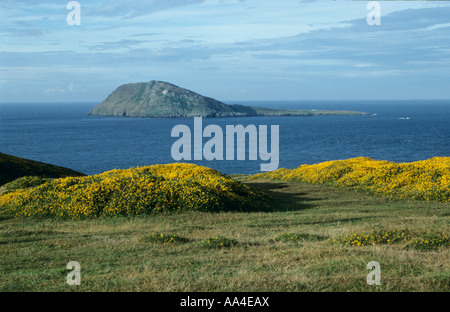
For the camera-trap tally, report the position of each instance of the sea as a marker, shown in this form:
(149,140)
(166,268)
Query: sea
(63,134)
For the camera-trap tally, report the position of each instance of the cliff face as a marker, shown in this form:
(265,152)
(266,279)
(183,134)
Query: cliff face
(162,99)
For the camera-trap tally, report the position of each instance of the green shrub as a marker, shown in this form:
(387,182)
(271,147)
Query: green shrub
(161,238)
(417,241)
(25,182)
(136,191)
(219,242)
(374,238)
(429,242)
(295,237)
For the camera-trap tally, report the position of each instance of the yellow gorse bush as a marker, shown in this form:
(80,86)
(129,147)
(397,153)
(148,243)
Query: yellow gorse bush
(374,238)
(418,241)
(143,190)
(426,180)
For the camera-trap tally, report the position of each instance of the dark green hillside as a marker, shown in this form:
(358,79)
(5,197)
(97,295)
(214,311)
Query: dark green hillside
(12,168)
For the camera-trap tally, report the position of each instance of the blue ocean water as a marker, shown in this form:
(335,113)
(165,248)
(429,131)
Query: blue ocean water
(62,134)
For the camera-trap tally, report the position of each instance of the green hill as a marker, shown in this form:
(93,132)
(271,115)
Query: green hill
(162,99)
(12,168)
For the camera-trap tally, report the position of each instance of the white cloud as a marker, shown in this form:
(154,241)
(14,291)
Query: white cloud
(70,89)
(216,41)
(55,90)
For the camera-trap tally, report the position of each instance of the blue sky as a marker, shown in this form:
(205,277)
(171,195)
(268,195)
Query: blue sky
(228,49)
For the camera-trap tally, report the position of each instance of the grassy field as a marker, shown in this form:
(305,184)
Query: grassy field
(118,254)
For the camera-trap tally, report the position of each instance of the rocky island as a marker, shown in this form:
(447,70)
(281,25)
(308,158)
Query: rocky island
(163,99)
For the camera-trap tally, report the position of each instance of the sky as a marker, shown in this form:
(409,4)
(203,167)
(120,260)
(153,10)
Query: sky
(230,50)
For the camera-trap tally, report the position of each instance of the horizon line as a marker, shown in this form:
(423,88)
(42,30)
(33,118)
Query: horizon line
(229,101)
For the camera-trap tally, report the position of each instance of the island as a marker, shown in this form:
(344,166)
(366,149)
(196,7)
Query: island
(165,100)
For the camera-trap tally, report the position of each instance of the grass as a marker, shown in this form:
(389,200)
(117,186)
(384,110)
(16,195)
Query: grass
(125,254)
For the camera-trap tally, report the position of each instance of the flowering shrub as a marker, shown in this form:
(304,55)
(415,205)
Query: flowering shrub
(426,180)
(429,242)
(24,182)
(374,238)
(143,190)
(424,242)
(162,238)
(219,242)
(295,237)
